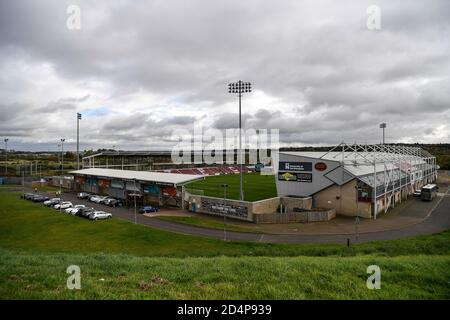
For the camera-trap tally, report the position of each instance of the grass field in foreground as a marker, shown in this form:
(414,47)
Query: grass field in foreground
(38,244)
(43,276)
(256,186)
(206,223)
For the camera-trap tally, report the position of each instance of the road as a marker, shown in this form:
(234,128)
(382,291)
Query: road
(438,220)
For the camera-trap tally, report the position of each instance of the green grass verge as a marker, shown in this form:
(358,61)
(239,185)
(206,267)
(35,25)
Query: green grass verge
(206,223)
(38,276)
(256,186)
(25,225)
(38,244)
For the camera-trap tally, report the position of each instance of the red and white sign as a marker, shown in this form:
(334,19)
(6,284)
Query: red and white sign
(320,166)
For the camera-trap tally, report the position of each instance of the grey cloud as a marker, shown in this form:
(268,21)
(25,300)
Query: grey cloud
(339,78)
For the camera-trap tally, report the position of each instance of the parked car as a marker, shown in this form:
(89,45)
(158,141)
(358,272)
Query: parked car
(105,199)
(26,196)
(76,211)
(97,199)
(85,212)
(93,198)
(417,193)
(29,196)
(52,202)
(75,207)
(83,195)
(63,205)
(113,202)
(40,198)
(148,209)
(97,215)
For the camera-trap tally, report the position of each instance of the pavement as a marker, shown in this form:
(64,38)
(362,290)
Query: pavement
(411,218)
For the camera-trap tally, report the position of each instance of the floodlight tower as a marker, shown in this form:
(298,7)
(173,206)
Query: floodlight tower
(78,140)
(383,126)
(62,173)
(240,87)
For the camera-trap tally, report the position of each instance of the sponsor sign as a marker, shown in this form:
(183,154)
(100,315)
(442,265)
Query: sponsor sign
(295,176)
(294,166)
(320,166)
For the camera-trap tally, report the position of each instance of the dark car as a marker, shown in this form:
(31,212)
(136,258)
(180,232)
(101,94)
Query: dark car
(29,196)
(113,202)
(83,195)
(40,198)
(148,209)
(85,212)
(105,200)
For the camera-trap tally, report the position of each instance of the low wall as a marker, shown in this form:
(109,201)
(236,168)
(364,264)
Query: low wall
(263,211)
(293,217)
(235,209)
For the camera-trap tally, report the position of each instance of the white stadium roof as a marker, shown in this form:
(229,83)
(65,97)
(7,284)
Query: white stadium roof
(150,176)
(361,164)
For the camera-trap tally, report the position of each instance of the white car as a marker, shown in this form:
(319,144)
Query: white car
(74,208)
(63,205)
(97,215)
(97,199)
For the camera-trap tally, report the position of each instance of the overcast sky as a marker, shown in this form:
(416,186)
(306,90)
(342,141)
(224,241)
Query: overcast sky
(138,70)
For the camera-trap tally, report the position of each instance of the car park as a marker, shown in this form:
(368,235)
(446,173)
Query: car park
(97,215)
(52,202)
(63,205)
(148,209)
(83,195)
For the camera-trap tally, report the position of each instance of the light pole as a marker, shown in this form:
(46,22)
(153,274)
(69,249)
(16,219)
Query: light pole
(240,87)
(6,156)
(78,140)
(224,186)
(62,172)
(135,190)
(383,126)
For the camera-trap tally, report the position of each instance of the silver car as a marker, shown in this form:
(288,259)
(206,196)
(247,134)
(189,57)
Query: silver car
(98,215)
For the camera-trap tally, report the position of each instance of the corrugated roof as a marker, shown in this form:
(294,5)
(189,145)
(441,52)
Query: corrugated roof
(361,164)
(150,176)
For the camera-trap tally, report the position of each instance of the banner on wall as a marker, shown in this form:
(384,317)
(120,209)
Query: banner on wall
(169,191)
(294,166)
(103,183)
(151,189)
(80,180)
(295,176)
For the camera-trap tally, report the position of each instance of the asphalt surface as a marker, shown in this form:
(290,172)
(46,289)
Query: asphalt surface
(438,220)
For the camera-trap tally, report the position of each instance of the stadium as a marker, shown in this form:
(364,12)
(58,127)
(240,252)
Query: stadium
(350,180)
(356,180)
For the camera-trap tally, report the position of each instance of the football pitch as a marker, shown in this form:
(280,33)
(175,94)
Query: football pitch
(256,186)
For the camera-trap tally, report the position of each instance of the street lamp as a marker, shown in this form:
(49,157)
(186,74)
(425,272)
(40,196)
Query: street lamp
(383,126)
(224,186)
(62,172)
(6,156)
(240,87)
(78,140)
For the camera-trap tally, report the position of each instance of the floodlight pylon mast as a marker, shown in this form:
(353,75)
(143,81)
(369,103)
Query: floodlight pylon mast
(240,87)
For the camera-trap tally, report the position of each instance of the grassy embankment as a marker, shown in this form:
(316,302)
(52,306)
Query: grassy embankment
(38,244)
